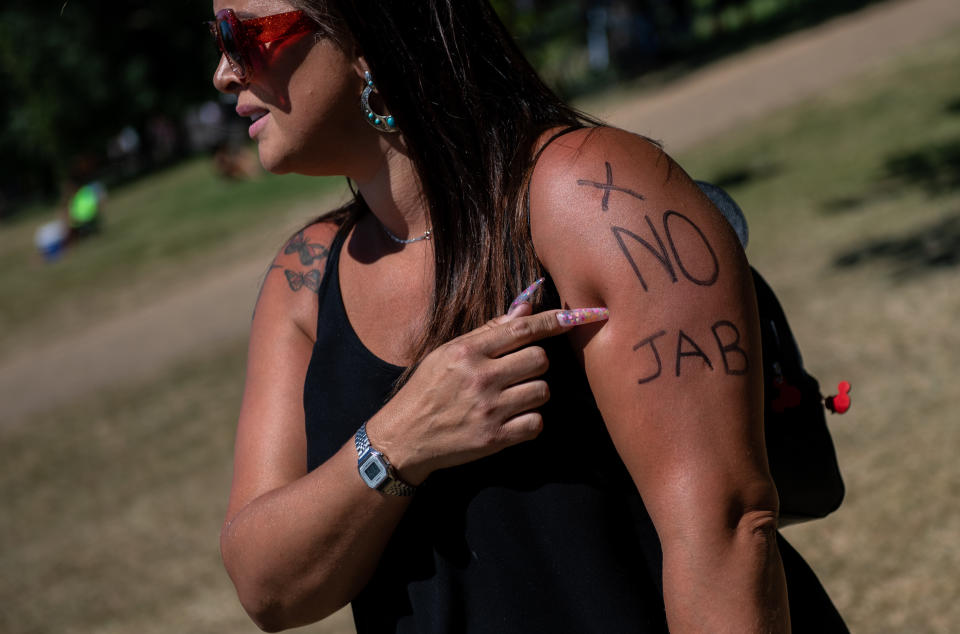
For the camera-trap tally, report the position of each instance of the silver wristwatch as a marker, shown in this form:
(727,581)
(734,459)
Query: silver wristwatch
(376,470)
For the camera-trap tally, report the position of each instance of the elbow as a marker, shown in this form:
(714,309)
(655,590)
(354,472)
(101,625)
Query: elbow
(273,604)
(254,590)
(759,523)
(752,528)
(266,613)
(755,512)
(265,607)
(718,519)
(755,534)
(271,612)
(267,622)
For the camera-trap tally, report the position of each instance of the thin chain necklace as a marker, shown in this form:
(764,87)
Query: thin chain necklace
(425,236)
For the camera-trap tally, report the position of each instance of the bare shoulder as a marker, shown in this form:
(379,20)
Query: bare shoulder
(612,215)
(270,442)
(676,370)
(290,285)
(583,155)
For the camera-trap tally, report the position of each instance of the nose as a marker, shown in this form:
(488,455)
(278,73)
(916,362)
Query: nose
(225,78)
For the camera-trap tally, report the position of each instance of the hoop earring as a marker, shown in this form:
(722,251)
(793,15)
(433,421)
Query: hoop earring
(382,122)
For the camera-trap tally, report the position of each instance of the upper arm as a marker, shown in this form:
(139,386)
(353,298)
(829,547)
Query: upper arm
(676,371)
(270,448)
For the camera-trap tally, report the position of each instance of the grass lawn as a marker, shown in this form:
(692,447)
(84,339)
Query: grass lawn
(854,209)
(112,509)
(157,232)
(112,504)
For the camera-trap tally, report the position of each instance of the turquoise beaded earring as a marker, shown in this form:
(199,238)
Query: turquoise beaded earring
(382,122)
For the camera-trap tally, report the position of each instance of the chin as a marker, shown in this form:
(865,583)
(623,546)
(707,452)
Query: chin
(273,163)
(278,158)
(287,162)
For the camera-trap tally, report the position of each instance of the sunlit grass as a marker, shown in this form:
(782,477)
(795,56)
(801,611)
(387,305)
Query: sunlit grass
(847,155)
(854,208)
(181,221)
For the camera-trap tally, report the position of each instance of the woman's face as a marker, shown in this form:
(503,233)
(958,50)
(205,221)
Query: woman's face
(302,98)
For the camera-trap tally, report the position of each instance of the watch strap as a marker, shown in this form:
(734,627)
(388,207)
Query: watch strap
(393,485)
(361,441)
(396,486)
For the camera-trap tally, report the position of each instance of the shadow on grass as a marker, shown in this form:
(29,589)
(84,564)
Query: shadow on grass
(953,107)
(793,16)
(742,174)
(930,248)
(935,169)
(686,54)
(846,204)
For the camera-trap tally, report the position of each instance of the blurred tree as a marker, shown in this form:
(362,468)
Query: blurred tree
(75,73)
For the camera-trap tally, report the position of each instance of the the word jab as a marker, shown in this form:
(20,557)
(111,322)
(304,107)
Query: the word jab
(688,354)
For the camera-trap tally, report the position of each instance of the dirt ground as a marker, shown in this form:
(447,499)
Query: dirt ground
(712,100)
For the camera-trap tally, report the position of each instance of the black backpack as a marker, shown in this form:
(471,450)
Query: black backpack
(800,450)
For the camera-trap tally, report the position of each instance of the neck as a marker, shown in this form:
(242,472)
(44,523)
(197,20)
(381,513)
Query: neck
(394,195)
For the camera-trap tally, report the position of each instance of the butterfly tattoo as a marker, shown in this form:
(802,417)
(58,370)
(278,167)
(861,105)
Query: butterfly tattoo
(298,280)
(309,253)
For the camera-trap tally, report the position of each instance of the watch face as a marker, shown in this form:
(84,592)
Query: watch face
(373,470)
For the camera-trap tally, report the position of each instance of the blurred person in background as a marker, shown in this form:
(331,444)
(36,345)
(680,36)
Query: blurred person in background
(84,198)
(85,210)
(80,212)
(587,457)
(234,162)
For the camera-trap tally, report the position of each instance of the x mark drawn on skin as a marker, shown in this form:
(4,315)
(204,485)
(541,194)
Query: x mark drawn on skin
(608,187)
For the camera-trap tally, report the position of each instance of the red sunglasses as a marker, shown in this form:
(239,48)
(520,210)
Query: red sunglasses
(241,40)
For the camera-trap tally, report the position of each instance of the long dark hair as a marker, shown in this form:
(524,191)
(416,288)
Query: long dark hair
(470,107)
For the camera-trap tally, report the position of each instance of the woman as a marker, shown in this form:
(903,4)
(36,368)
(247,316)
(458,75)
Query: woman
(405,446)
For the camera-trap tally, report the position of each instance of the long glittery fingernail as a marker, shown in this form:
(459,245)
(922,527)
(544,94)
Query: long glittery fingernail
(580,316)
(525,295)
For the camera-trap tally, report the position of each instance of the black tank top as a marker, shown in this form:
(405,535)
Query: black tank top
(547,536)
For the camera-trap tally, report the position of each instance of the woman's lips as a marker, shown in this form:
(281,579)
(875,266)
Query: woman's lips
(257,125)
(257,114)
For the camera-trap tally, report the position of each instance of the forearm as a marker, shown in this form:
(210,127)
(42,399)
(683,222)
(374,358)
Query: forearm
(727,580)
(298,546)
(300,552)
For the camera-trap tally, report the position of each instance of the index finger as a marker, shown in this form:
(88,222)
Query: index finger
(520,331)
